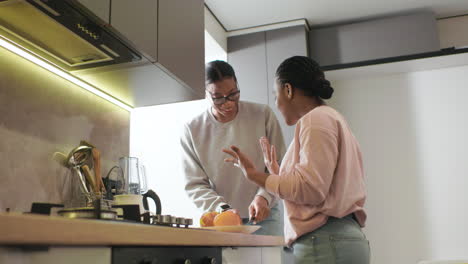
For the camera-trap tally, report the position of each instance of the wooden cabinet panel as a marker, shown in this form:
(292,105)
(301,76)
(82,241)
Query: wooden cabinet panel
(255,58)
(137,21)
(181,43)
(99,8)
(280,45)
(247,56)
(242,255)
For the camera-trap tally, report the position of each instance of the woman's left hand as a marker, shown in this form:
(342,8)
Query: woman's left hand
(239,159)
(269,155)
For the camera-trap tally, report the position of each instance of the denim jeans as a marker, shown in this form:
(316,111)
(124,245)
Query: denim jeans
(272,226)
(339,241)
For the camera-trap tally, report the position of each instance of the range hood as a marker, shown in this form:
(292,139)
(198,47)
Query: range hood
(63,33)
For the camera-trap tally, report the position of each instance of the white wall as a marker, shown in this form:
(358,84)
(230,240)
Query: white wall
(215,30)
(154,139)
(213,51)
(413,130)
(215,39)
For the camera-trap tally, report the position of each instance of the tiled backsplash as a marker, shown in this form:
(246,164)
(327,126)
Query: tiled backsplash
(41,113)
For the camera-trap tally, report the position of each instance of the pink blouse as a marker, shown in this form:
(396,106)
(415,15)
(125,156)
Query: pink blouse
(321,174)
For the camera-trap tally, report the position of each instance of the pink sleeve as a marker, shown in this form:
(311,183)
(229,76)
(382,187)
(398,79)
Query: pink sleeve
(310,179)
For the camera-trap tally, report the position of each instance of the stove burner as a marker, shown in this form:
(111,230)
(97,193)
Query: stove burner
(169,220)
(131,213)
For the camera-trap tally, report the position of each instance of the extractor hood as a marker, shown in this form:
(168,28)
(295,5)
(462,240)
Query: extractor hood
(63,33)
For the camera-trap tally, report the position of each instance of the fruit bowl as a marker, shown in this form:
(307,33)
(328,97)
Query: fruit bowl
(245,229)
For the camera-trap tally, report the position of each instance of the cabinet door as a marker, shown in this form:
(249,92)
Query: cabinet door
(242,255)
(280,45)
(69,255)
(137,21)
(375,39)
(246,54)
(99,8)
(272,255)
(181,40)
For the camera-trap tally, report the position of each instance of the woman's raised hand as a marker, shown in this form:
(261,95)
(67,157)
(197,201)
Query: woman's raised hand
(269,156)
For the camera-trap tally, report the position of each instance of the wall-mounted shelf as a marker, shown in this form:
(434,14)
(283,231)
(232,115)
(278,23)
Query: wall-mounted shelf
(401,64)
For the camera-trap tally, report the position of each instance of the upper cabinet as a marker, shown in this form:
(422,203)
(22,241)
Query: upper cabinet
(169,33)
(247,55)
(137,21)
(256,56)
(181,45)
(99,8)
(346,45)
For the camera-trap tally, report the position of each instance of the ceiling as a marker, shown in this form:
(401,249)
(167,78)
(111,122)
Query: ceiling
(240,14)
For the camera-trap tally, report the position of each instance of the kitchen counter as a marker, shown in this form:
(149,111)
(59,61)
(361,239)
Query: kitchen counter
(27,229)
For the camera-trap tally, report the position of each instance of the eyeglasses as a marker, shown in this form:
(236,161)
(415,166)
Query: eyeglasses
(234,96)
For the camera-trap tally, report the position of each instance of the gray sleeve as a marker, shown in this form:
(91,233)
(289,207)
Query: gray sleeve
(197,183)
(275,136)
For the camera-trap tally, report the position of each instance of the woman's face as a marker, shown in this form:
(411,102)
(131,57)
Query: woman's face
(283,102)
(227,89)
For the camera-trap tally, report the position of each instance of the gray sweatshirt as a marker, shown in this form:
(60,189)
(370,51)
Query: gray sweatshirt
(211,182)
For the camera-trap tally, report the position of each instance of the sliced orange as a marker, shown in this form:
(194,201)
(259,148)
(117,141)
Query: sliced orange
(227,218)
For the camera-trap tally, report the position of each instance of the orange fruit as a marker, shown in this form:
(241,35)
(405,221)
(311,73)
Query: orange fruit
(227,218)
(207,219)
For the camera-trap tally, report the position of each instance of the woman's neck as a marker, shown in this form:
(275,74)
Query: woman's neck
(307,104)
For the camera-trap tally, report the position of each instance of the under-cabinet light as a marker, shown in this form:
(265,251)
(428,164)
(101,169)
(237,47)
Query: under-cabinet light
(63,74)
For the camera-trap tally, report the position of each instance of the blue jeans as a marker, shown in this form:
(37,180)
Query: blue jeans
(339,241)
(272,226)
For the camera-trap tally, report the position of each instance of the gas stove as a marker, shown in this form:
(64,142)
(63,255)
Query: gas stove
(145,254)
(130,213)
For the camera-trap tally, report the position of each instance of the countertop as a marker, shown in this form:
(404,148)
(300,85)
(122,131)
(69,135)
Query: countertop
(28,229)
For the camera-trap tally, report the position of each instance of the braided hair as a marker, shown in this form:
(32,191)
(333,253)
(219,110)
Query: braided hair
(305,74)
(218,70)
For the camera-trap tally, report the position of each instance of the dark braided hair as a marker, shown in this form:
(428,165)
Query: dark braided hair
(218,70)
(305,74)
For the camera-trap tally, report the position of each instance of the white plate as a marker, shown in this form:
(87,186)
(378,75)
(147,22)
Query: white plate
(245,229)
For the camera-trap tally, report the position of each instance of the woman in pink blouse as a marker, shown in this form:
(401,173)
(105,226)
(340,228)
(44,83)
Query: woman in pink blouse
(321,178)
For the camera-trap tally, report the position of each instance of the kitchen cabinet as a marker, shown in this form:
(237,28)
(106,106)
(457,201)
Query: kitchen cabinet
(137,21)
(56,254)
(449,32)
(375,39)
(247,54)
(255,58)
(106,242)
(242,255)
(280,45)
(260,255)
(401,65)
(170,33)
(99,8)
(124,255)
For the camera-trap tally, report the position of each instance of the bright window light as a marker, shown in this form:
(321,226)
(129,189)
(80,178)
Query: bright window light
(155,139)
